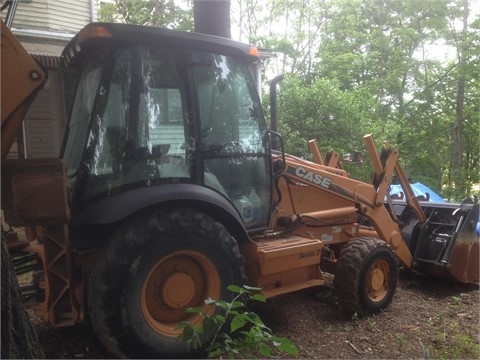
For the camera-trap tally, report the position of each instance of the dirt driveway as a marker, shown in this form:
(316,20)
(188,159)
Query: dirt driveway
(428,319)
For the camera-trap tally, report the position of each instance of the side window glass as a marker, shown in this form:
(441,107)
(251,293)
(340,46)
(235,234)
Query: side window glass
(141,131)
(166,131)
(234,158)
(112,136)
(78,126)
(229,113)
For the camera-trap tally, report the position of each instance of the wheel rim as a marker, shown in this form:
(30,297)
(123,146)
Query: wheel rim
(181,280)
(378,280)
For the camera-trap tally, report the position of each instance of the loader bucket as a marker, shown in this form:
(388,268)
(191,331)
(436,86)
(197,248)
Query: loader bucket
(448,245)
(464,261)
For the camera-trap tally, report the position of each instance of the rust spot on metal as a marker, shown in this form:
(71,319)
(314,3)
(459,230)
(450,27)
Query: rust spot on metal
(465,260)
(34,192)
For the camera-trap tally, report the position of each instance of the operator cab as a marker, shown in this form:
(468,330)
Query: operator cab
(155,107)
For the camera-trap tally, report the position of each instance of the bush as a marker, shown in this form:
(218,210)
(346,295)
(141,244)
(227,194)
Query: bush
(238,333)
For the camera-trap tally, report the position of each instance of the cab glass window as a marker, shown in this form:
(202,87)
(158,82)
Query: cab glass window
(141,130)
(80,119)
(233,136)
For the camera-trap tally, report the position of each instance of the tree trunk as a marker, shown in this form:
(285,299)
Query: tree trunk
(19,340)
(459,119)
(459,105)
(212,17)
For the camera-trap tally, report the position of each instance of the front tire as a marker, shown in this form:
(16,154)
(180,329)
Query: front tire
(366,276)
(151,271)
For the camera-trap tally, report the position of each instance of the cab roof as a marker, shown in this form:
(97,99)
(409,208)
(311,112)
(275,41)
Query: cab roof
(100,34)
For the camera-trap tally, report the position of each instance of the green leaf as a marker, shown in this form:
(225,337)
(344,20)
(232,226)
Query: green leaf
(259,297)
(236,305)
(209,324)
(222,304)
(220,318)
(237,323)
(188,333)
(265,350)
(235,289)
(285,345)
(214,353)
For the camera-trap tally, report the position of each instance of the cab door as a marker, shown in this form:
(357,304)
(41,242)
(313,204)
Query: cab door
(233,146)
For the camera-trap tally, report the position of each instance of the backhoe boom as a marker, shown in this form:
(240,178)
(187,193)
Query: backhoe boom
(19,87)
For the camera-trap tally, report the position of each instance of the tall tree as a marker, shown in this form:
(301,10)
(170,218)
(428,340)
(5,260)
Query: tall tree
(465,40)
(247,16)
(290,28)
(205,16)
(161,13)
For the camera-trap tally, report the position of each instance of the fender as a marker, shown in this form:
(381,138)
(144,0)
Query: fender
(120,206)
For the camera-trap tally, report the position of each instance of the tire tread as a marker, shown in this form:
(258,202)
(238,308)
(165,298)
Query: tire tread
(347,275)
(116,260)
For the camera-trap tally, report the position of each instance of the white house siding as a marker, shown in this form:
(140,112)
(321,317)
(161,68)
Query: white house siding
(173,135)
(45,120)
(31,15)
(44,27)
(53,15)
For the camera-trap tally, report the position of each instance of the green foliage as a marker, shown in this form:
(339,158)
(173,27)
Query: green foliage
(401,340)
(160,13)
(318,109)
(459,345)
(238,333)
(358,67)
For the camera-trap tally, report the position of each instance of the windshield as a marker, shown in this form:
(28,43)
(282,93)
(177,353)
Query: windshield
(80,119)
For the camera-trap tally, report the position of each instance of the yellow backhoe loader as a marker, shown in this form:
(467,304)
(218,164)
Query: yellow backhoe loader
(170,187)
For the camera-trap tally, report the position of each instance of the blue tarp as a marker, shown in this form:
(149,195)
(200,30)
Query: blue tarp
(419,190)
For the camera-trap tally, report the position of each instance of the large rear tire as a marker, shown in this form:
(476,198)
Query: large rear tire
(366,276)
(151,271)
